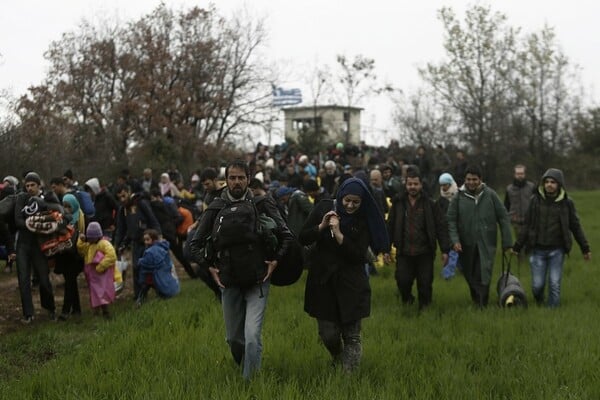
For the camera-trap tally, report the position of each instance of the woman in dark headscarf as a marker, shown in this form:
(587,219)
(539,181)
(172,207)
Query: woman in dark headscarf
(337,292)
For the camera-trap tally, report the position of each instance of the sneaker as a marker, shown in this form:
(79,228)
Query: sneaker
(27,320)
(52,316)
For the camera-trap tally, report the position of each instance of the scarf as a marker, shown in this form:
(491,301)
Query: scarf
(379,239)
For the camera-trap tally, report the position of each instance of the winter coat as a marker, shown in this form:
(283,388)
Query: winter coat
(133,219)
(156,261)
(569,223)
(106,209)
(472,221)
(436,225)
(337,287)
(165,219)
(516,201)
(88,251)
(201,235)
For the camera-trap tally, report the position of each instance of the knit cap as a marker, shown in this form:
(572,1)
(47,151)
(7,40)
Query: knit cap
(33,177)
(94,231)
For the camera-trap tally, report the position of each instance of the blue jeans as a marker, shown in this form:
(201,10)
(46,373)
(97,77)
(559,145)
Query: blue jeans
(546,263)
(243,312)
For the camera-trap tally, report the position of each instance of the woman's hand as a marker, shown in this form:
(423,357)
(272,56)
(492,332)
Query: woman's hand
(325,221)
(334,223)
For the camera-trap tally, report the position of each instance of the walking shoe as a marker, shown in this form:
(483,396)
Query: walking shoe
(52,316)
(27,320)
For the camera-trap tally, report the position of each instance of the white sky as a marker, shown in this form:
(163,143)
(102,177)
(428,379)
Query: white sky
(400,35)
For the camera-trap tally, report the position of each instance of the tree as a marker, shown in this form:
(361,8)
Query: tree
(542,85)
(358,80)
(474,80)
(423,120)
(171,82)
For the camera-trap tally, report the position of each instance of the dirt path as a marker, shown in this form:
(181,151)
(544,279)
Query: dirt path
(10,301)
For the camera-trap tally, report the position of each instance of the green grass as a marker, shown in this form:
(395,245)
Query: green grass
(176,348)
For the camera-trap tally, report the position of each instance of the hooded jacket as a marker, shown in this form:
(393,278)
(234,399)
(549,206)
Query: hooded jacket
(569,221)
(156,261)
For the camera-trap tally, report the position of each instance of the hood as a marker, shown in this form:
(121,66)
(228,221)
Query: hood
(555,174)
(163,244)
(93,184)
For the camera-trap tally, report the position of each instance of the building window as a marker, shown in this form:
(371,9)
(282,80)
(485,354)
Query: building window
(301,124)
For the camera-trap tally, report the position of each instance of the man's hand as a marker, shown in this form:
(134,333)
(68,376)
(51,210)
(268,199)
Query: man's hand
(387,258)
(457,247)
(214,272)
(444,259)
(587,256)
(271,265)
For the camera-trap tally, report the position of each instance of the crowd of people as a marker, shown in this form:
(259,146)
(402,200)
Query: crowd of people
(343,206)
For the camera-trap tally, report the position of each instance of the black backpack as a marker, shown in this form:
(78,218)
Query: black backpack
(237,240)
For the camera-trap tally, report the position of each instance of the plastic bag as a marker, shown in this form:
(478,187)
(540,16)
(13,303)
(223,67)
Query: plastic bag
(451,266)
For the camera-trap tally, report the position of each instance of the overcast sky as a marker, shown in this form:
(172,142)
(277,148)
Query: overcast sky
(400,35)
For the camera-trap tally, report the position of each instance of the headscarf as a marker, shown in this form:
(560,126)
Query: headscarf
(76,214)
(72,200)
(165,187)
(447,179)
(379,239)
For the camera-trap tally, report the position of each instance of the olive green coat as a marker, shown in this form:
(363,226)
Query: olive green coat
(472,221)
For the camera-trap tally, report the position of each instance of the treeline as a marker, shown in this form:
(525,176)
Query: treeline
(505,97)
(169,88)
(190,87)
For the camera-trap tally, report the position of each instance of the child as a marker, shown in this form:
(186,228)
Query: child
(99,257)
(156,268)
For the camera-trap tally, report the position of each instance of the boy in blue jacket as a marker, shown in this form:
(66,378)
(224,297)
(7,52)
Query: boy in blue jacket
(156,268)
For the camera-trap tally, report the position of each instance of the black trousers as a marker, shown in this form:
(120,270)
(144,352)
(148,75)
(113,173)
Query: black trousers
(71,265)
(419,268)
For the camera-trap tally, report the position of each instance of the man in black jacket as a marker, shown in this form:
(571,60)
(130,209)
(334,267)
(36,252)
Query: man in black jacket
(29,253)
(243,303)
(415,224)
(549,223)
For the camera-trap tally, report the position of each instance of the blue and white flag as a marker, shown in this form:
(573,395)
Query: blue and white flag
(286,97)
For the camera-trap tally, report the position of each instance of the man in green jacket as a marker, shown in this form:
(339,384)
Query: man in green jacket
(472,218)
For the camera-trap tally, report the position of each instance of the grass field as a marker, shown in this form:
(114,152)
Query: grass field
(175,349)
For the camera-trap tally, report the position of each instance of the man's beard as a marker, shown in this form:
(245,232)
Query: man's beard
(237,192)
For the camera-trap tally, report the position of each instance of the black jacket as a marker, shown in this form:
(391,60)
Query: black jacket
(569,222)
(132,220)
(436,223)
(337,287)
(202,234)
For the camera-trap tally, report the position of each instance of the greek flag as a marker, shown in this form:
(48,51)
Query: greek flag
(286,97)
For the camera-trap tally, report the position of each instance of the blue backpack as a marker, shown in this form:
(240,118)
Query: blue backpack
(85,203)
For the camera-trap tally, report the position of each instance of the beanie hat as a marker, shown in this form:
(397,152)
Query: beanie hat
(94,231)
(446,179)
(33,177)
